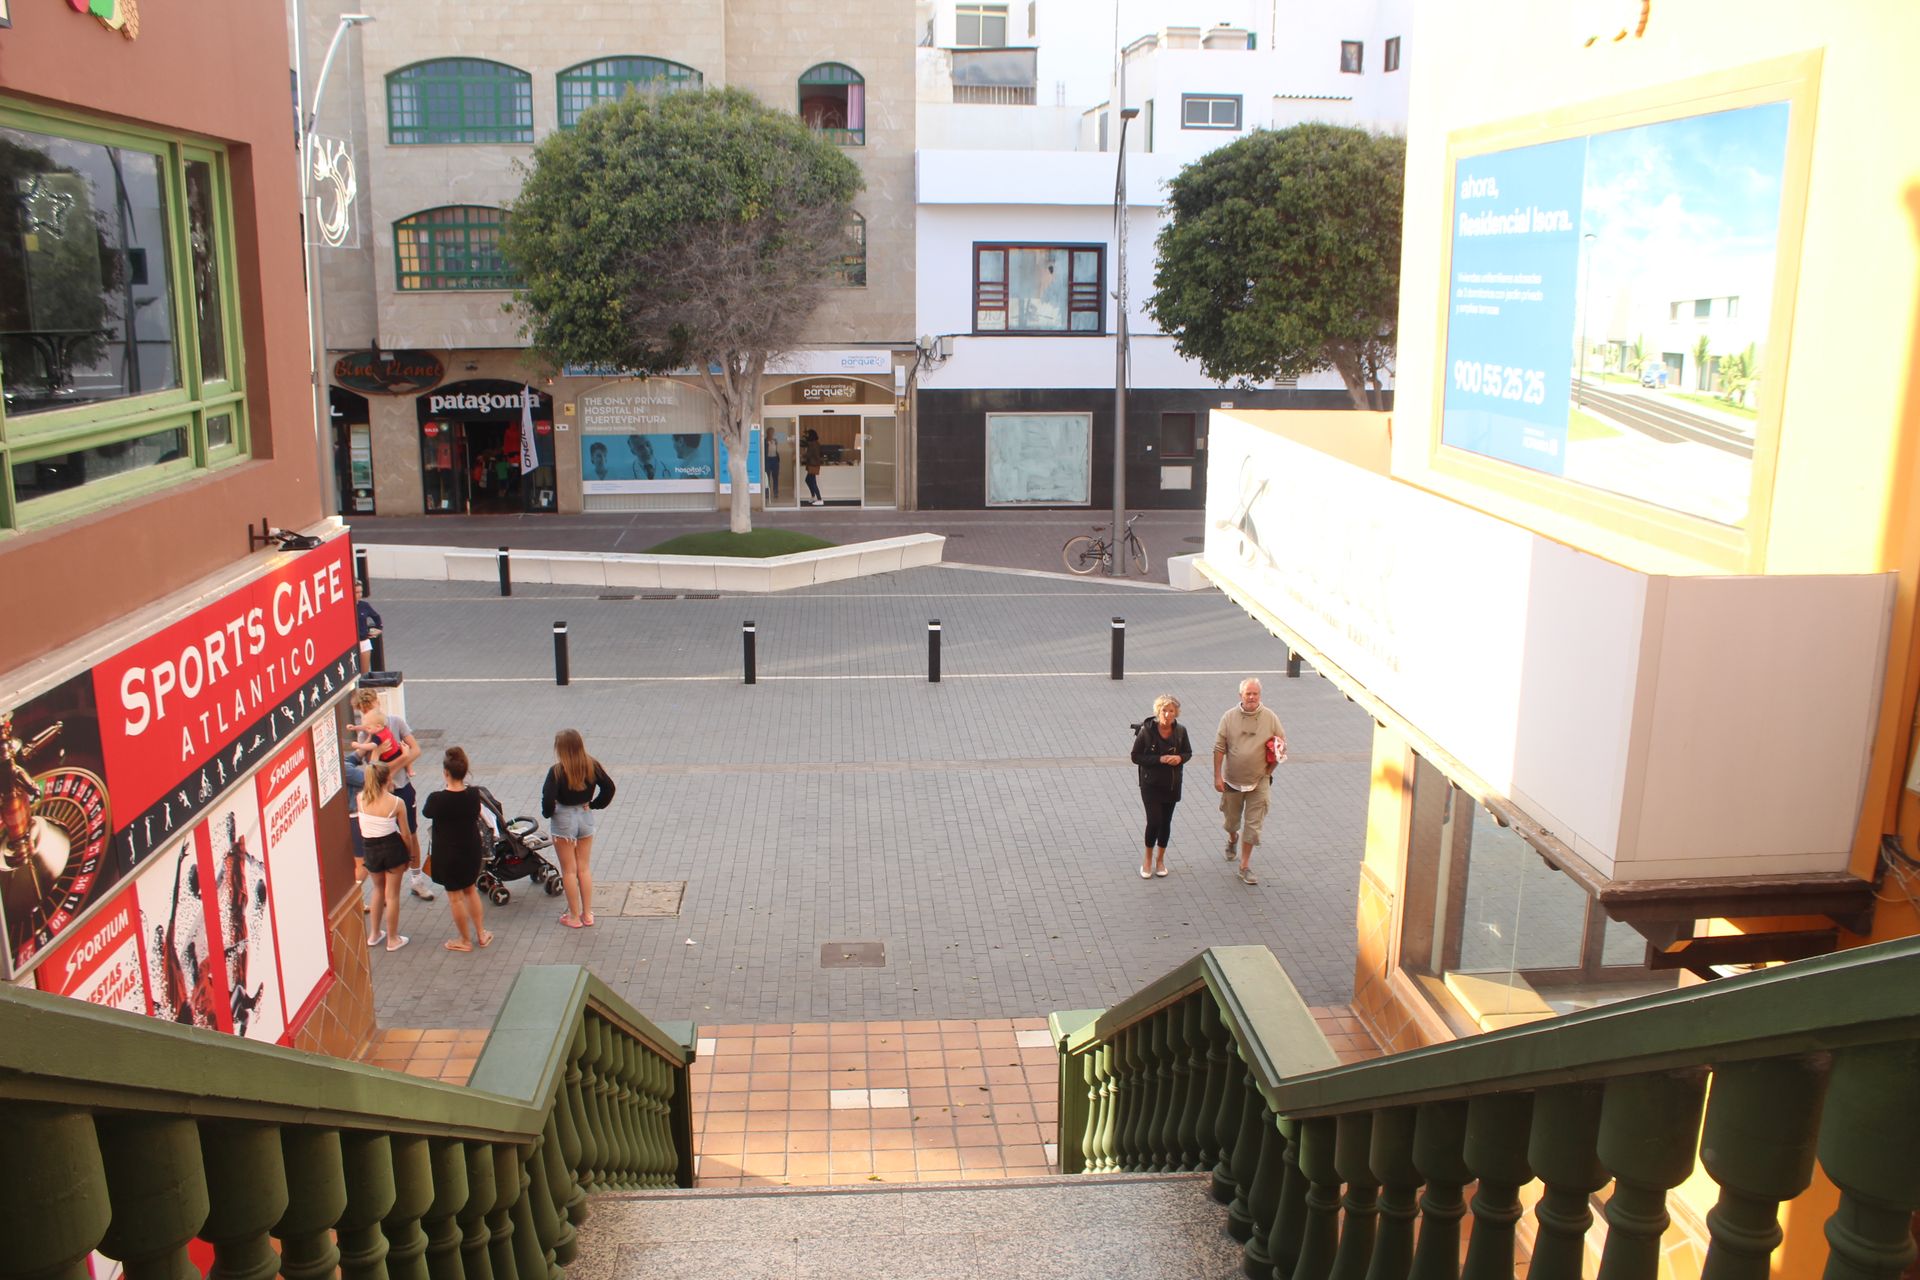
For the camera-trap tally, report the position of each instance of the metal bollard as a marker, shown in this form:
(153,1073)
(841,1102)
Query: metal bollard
(746,649)
(1293,665)
(360,572)
(1119,665)
(377,655)
(506,573)
(933,651)
(560,672)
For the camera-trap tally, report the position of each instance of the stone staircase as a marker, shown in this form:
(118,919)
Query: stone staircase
(1118,1227)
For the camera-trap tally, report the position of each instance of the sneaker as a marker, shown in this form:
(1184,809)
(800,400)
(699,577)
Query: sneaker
(1247,876)
(422,890)
(1233,850)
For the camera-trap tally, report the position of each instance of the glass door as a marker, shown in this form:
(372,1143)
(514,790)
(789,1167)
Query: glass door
(443,464)
(878,462)
(779,444)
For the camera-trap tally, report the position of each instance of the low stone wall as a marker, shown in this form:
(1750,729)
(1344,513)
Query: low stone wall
(659,573)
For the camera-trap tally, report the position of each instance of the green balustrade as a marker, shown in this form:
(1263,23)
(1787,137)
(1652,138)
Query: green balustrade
(1359,1172)
(133,1137)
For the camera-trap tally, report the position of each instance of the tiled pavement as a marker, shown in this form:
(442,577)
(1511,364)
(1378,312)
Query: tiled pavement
(855,1103)
(982,828)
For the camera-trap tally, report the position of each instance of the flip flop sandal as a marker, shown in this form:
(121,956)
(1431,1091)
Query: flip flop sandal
(587,920)
(395,946)
(451,945)
(486,940)
(571,923)
(1161,872)
(375,939)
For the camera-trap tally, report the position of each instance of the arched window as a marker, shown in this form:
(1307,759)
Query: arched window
(853,266)
(453,247)
(609,79)
(459,100)
(833,99)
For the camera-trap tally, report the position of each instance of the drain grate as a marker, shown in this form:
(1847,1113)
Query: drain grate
(701,595)
(853,955)
(616,595)
(660,595)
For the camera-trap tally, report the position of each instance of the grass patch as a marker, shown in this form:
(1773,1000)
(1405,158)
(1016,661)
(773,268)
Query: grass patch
(757,545)
(1584,426)
(1715,402)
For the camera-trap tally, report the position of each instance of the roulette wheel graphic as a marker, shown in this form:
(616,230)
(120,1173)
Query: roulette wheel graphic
(49,873)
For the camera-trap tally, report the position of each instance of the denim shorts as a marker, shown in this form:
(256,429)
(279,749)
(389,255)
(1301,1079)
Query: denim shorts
(573,822)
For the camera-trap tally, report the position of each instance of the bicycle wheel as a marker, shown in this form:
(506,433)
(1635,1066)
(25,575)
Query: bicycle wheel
(1083,554)
(1139,550)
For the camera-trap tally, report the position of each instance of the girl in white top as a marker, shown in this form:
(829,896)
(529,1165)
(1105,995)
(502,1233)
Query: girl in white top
(390,846)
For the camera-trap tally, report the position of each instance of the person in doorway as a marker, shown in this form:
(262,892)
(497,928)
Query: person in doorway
(386,833)
(367,620)
(454,812)
(1246,747)
(575,791)
(810,461)
(597,455)
(366,703)
(770,463)
(1161,750)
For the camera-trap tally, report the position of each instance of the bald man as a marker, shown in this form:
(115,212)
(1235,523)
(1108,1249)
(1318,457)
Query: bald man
(1242,772)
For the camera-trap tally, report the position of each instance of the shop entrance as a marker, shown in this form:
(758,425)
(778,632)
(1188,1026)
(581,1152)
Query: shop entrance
(470,451)
(852,434)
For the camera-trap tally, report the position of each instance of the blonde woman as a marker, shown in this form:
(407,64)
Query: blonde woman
(1161,749)
(576,789)
(386,834)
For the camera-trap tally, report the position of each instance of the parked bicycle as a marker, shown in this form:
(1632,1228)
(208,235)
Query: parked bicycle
(1087,552)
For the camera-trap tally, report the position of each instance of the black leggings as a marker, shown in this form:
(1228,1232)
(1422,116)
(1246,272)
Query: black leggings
(813,486)
(1159,819)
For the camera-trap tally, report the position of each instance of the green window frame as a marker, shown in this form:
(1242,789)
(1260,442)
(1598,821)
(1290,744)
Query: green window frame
(589,84)
(456,246)
(459,100)
(852,271)
(61,459)
(833,102)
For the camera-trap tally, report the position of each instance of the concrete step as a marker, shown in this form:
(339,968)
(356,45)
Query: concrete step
(1122,1227)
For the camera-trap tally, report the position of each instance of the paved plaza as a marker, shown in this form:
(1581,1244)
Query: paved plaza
(984,829)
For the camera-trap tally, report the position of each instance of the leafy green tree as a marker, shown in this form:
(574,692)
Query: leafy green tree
(1282,257)
(1702,352)
(695,230)
(1738,373)
(1637,355)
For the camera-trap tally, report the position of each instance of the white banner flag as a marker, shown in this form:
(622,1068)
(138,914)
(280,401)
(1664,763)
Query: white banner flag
(529,454)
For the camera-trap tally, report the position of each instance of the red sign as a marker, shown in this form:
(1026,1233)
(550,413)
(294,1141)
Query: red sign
(104,962)
(175,701)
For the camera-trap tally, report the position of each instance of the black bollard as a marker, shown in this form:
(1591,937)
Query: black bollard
(746,650)
(933,651)
(560,672)
(360,572)
(1119,666)
(377,655)
(506,573)
(1293,665)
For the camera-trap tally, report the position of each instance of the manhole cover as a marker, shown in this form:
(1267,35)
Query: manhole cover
(853,955)
(657,898)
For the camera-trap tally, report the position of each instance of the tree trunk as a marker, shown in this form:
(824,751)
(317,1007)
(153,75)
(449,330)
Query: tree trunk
(1347,363)
(741,518)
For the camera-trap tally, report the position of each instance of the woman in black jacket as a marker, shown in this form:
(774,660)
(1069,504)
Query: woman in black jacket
(1161,750)
(575,792)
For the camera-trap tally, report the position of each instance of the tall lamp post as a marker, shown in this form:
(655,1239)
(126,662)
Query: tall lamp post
(1586,306)
(1119,563)
(316,305)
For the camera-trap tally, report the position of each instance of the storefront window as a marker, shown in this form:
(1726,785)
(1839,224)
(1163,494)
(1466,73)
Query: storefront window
(1506,937)
(1039,458)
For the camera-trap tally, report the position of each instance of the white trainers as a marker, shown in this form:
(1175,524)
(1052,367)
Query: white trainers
(421,888)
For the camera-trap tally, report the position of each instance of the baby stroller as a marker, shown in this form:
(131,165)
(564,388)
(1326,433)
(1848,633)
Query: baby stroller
(515,854)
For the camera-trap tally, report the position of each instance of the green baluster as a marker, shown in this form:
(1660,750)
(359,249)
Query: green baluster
(156,1182)
(1439,1132)
(567,1148)
(1359,1208)
(578,1088)
(1214,1049)
(1193,1086)
(630,1104)
(1088,1109)
(1265,1194)
(659,1080)
(1762,1122)
(1289,1229)
(553,1167)
(1562,1149)
(593,1099)
(50,1221)
(1390,1156)
(1868,1142)
(530,1255)
(646,1111)
(448,1161)
(246,1196)
(1127,1110)
(1227,1121)
(682,1103)
(1649,1131)
(1108,1144)
(413,1196)
(502,1250)
(476,1261)
(1496,1151)
(1321,1231)
(1255,1120)
(367,1162)
(547,1222)
(1070,1128)
(1161,1122)
(316,1197)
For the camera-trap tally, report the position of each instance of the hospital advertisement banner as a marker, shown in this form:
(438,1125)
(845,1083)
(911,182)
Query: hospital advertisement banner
(131,762)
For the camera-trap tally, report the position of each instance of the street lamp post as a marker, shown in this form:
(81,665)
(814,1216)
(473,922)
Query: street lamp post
(1586,306)
(316,305)
(1119,563)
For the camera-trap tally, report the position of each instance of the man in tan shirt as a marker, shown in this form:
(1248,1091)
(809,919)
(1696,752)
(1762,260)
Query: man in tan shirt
(1242,773)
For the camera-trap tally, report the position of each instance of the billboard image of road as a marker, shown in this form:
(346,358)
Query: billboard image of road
(1610,296)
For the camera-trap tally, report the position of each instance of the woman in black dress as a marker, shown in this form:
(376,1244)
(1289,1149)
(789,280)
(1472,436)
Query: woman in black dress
(1161,750)
(457,847)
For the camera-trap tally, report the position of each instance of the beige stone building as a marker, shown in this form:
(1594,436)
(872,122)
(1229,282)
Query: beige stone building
(438,104)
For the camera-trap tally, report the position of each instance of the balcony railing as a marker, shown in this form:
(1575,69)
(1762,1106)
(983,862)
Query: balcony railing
(996,95)
(132,1136)
(1327,1169)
